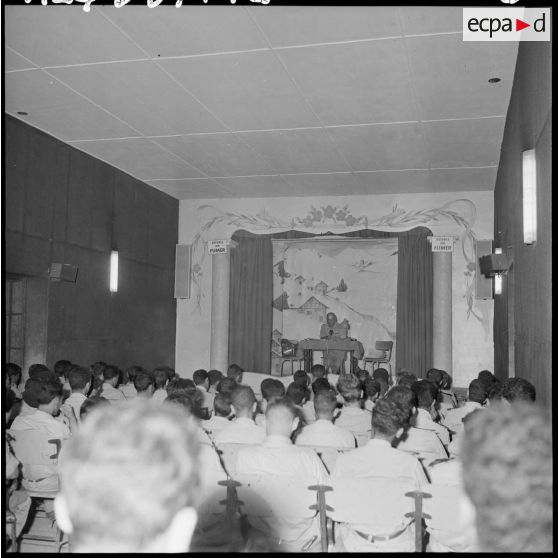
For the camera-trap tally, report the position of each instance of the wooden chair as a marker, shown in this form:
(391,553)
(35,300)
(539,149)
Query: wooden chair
(272,504)
(360,505)
(385,348)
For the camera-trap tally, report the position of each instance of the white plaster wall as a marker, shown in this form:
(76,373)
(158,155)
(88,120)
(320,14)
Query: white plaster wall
(444,213)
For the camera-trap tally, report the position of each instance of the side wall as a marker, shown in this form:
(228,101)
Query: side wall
(466,215)
(63,205)
(523,314)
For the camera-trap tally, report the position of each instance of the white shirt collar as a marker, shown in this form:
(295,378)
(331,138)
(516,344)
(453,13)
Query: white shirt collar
(274,440)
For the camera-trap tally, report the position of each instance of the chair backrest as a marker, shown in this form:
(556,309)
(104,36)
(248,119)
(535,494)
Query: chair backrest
(361,503)
(229,454)
(328,454)
(385,346)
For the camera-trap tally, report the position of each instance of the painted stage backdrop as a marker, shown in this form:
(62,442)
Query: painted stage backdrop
(354,279)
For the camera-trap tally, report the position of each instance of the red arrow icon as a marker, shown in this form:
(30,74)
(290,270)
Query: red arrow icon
(519,25)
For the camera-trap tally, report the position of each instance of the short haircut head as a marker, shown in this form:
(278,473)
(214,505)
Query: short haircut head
(180,385)
(226,385)
(320,383)
(215,376)
(519,389)
(128,471)
(407,379)
(426,393)
(318,371)
(79,377)
(477,391)
(242,398)
(62,367)
(300,377)
(91,403)
(110,372)
(296,393)
(381,373)
(362,376)
(446,380)
(13,371)
(183,400)
(32,390)
(372,387)
(435,376)
(222,405)
(496,391)
(487,378)
(98,367)
(404,397)
(272,388)
(279,416)
(325,402)
(384,386)
(39,371)
(142,382)
(506,454)
(235,372)
(49,390)
(200,376)
(133,371)
(388,417)
(160,377)
(349,387)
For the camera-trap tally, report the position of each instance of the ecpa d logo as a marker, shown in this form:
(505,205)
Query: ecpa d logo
(506,24)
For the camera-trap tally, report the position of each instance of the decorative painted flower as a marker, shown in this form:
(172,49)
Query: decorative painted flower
(308,221)
(329,212)
(341,215)
(350,221)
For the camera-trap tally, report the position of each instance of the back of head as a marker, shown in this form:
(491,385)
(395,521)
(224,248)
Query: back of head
(180,385)
(279,417)
(518,389)
(183,400)
(372,388)
(407,379)
(79,377)
(235,372)
(404,397)
(300,377)
(362,376)
(296,393)
(91,403)
(160,377)
(486,378)
(272,388)
(62,368)
(39,372)
(13,371)
(142,382)
(32,390)
(507,460)
(388,417)
(325,402)
(446,380)
(132,371)
(319,384)
(435,376)
(318,371)
(381,373)
(200,376)
(126,474)
(49,390)
(349,387)
(98,367)
(477,391)
(226,385)
(242,399)
(110,372)
(495,391)
(222,405)
(425,392)
(215,376)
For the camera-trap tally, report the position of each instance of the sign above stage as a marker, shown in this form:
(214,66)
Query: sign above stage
(217,247)
(442,243)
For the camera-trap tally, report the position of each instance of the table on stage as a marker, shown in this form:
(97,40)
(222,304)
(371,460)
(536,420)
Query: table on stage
(306,349)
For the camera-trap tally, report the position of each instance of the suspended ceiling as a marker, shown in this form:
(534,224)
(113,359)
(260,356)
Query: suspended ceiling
(231,101)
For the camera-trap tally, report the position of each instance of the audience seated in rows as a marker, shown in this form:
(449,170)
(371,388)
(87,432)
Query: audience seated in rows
(235,372)
(475,399)
(426,394)
(80,384)
(352,417)
(127,388)
(221,414)
(226,385)
(308,408)
(215,376)
(201,380)
(91,403)
(110,381)
(518,389)
(143,383)
(271,389)
(161,379)
(372,392)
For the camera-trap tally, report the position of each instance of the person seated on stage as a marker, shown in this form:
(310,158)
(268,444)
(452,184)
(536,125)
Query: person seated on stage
(372,392)
(476,398)
(215,376)
(143,383)
(308,408)
(110,377)
(129,480)
(334,359)
(80,383)
(243,429)
(13,378)
(235,372)
(271,389)
(201,379)
(323,432)
(507,458)
(377,458)
(519,389)
(160,382)
(426,394)
(495,393)
(423,443)
(221,414)
(89,404)
(277,456)
(352,417)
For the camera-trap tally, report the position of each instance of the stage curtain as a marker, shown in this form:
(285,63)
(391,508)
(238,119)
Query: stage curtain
(414,302)
(250,309)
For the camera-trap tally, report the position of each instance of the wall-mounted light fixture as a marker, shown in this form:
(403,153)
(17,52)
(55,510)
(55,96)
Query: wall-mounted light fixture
(498,278)
(529,197)
(114,271)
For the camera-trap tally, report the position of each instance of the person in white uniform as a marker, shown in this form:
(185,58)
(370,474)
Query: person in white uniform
(80,382)
(354,419)
(426,394)
(476,399)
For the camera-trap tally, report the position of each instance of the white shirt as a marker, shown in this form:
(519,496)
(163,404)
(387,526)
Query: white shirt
(208,399)
(454,418)
(308,412)
(158,395)
(215,424)
(75,400)
(424,421)
(278,456)
(324,433)
(424,442)
(447,403)
(357,421)
(111,393)
(128,390)
(369,405)
(241,431)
